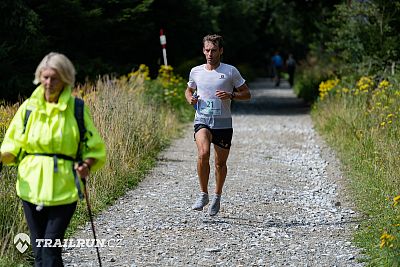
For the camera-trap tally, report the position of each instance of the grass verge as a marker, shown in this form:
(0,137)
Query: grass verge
(362,124)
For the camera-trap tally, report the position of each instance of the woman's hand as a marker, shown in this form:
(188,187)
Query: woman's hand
(7,158)
(83,169)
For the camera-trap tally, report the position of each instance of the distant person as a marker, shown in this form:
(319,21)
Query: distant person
(277,66)
(213,83)
(45,145)
(291,67)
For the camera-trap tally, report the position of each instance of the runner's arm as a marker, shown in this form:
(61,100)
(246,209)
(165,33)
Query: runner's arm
(242,93)
(189,96)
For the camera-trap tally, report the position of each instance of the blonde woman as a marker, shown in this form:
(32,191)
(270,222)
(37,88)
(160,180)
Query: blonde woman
(45,145)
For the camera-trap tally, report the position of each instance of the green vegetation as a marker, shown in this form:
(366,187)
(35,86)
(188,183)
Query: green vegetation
(104,37)
(357,110)
(358,38)
(361,120)
(136,116)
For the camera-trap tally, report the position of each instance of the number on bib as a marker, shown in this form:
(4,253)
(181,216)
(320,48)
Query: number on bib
(210,106)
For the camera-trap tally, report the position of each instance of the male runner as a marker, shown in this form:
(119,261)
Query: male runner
(214,84)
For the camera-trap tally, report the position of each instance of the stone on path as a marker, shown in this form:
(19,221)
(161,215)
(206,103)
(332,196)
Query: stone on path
(284,201)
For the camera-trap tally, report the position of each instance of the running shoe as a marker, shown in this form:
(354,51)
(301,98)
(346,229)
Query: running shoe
(215,205)
(201,201)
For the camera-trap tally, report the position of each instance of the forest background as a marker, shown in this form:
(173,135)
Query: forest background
(116,36)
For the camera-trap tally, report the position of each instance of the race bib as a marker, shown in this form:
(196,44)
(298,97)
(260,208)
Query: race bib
(210,106)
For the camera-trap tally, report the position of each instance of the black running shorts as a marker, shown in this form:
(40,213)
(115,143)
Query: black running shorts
(220,137)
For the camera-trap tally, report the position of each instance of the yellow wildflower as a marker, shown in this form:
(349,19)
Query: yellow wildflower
(326,86)
(386,240)
(142,72)
(345,90)
(365,84)
(383,84)
(396,200)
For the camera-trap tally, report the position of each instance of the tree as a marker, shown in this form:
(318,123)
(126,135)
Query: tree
(20,43)
(116,36)
(366,32)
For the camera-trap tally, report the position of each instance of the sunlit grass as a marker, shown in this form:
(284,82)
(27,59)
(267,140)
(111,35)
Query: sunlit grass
(135,121)
(362,124)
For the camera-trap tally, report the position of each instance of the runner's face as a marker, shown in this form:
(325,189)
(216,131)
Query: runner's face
(212,53)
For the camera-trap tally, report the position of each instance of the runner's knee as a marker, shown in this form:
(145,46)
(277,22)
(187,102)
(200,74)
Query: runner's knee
(220,165)
(204,154)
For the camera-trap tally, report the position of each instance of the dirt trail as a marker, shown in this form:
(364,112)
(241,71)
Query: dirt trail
(283,202)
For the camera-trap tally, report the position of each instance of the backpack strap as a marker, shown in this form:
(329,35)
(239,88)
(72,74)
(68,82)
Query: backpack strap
(79,116)
(79,113)
(21,153)
(27,114)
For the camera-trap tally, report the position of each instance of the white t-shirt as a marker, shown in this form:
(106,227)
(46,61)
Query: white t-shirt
(212,111)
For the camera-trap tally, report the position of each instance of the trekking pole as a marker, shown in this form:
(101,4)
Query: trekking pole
(91,219)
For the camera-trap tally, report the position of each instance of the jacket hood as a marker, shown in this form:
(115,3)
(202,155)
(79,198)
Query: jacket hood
(37,98)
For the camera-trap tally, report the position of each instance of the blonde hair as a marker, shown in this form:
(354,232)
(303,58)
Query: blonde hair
(61,64)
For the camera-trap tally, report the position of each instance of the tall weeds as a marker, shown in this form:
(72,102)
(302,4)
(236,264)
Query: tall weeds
(11,216)
(360,118)
(135,124)
(134,129)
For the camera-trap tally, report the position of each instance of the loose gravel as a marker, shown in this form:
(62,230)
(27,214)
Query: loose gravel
(284,202)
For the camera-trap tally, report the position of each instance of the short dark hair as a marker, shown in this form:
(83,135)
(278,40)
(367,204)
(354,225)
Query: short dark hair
(215,39)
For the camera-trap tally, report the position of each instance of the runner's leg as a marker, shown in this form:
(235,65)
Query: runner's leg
(203,142)
(221,170)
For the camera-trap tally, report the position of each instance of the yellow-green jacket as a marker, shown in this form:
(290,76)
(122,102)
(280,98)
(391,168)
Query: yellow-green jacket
(51,129)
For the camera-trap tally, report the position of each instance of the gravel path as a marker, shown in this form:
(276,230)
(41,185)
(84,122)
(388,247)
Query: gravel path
(284,203)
